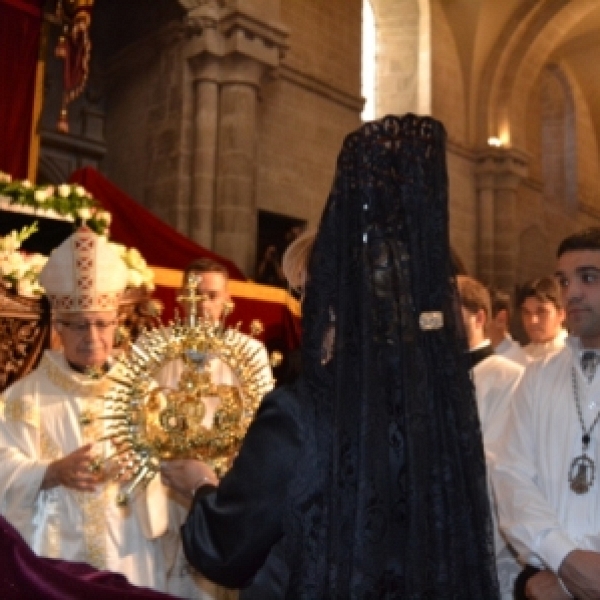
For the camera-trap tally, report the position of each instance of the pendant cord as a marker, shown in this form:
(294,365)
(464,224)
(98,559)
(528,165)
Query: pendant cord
(586,433)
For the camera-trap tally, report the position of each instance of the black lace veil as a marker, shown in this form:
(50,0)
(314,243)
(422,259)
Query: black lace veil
(390,497)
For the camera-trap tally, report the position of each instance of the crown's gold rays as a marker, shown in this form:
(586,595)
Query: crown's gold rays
(148,423)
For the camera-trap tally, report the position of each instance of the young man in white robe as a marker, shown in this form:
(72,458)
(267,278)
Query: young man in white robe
(545,470)
(542,314)
(495,378)
(213,293)
(50,424)
(498,328)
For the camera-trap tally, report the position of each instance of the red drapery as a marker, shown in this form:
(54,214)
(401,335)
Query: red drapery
(135,226)
(161,246)
(20,28)
(25,576)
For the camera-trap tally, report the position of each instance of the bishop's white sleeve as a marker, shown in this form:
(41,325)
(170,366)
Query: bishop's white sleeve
(528,520)
(21,474)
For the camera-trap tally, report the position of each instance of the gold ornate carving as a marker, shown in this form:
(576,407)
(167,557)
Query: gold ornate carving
(24,333)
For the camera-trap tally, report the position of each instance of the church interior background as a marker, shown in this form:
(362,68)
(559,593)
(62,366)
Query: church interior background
(211,112)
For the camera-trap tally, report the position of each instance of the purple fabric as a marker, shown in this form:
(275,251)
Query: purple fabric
(25,576)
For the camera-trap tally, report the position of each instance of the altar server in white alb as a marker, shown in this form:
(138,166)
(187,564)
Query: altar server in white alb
(546,469)
(49,429)
(495,378)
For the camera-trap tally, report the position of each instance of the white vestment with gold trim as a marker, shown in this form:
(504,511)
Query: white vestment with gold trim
(40,418)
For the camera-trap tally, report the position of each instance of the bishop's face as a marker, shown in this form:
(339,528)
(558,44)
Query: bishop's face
(87,337)
(578,274)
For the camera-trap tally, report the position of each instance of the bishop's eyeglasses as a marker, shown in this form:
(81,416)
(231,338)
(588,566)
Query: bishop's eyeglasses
(85,326)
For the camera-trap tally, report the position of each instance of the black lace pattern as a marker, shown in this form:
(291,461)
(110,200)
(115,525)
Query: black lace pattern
(390,498)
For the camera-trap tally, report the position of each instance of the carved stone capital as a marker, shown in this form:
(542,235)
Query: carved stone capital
(226,30)
(500,169)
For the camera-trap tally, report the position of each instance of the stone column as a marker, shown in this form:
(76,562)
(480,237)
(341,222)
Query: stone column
(204,160)
(499,173)
(230,49)
(235,213)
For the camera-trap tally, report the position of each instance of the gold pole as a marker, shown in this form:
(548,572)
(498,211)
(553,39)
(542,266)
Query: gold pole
(38,101)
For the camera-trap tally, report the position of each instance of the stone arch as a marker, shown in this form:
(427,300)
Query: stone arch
(496,64)
(520,54)
(533,61)
(586,151)
(583,155)
(449,97)
(558,139)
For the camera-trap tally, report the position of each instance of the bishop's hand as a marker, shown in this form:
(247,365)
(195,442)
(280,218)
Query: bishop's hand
(73,471)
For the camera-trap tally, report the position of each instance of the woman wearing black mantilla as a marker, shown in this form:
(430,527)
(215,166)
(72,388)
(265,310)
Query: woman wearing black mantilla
(366,478)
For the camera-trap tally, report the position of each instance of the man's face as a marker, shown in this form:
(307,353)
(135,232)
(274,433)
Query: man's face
(213,286)
(578,274)
(542,320)
(87,337)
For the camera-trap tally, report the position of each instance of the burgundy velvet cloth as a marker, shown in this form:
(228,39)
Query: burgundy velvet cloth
(20,27)
(25,576)
(134,225)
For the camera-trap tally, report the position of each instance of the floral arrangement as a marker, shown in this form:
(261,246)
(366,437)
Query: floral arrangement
(67,200)
(139,273)
(20,270)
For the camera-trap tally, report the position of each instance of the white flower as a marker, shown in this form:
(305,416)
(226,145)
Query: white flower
(79,190)
(64,190)
(134,259)
(26,287)
(84,213)
(10,243)
(134,278)
(104,216)
(36,263)
(5,177)
(26,183)
(148,277)
(40,195)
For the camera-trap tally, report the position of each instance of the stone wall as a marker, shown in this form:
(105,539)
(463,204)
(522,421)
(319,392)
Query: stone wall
(305,113)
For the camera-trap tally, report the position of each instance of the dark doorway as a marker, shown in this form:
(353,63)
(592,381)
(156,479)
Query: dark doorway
(275,233)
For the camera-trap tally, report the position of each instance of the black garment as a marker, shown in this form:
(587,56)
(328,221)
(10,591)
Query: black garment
(366,480)
(390,498)
(233,537)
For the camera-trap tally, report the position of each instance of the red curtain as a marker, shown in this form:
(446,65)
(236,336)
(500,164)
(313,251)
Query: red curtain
(162,246)
(20,28)
(135,226)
